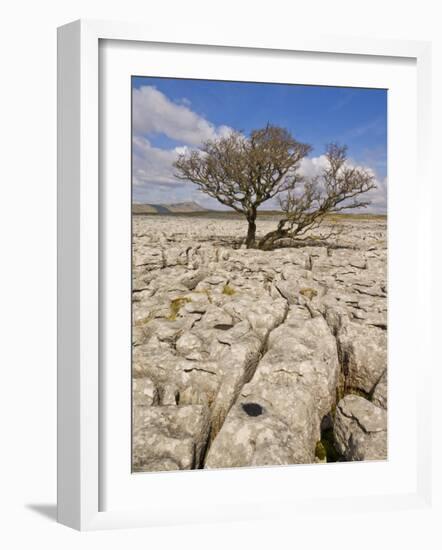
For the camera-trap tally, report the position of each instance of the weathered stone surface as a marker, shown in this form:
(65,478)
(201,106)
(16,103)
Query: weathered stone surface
(276,418)
(190,346)
(249,440)
(360,429)
(169,437)
(215,317)
(380,393)
(363,350)
(144,392)
(217,328)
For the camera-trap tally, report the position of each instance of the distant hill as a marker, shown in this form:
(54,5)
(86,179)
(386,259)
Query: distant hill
(193,209)
(177,208)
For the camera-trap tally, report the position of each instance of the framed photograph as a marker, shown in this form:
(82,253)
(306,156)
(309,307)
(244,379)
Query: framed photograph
(236,324)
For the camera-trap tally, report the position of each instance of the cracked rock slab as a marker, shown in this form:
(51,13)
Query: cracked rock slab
(244,343)
(360,429)
(276,418)
(169,437)
(363,350)
(144,392)
(380,392)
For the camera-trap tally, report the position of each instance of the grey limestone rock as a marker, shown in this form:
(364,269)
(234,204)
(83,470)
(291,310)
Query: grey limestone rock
(360,429)
(238,355)
(363,350)
(380,393)
(292,389)
(169,437)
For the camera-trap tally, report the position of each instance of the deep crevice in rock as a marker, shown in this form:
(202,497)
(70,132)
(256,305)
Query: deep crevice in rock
(218,422)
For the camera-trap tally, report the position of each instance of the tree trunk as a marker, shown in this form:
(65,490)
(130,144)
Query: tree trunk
(251,232)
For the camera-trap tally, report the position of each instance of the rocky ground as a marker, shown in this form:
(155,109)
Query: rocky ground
(245,357)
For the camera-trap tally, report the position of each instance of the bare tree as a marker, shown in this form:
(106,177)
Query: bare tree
(337,188)
(244,172)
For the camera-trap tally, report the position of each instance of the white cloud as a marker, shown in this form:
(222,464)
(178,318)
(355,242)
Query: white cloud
(378,197)
(153,177)
(311,167)
(155,113)
(152,166)
(185,101)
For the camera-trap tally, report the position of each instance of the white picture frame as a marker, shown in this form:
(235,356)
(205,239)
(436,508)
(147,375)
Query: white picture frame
(79,295)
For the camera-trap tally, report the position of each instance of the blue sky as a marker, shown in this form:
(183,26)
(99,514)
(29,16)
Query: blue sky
(172,115)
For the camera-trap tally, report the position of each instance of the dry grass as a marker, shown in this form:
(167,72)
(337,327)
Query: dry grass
(355,217)
(309,293)
(175,306)
(320,451)
(228,290)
